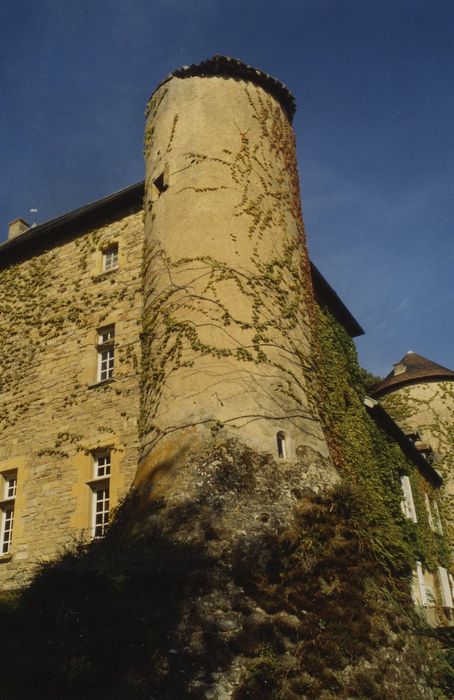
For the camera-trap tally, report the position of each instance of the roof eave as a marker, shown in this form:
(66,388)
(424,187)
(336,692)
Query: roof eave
(326,293)
(131,196)
(382,417)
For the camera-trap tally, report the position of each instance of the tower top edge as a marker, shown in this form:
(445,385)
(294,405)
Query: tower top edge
(227,67)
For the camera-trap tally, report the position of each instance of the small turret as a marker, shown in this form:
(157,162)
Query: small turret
(419,394)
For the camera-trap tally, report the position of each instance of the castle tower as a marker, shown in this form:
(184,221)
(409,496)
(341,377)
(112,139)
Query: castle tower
(419,394)
(227,291)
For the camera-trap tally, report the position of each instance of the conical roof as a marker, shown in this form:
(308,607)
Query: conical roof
(412,368)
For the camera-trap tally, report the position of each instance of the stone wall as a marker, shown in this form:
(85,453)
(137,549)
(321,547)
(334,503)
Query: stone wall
(54,413)
(428,408)
(228,295)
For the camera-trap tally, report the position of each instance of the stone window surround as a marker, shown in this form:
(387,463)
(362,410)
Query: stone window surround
(106,352)
(110,257)
(8,492)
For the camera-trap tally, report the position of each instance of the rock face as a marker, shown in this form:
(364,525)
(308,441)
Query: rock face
(227,291)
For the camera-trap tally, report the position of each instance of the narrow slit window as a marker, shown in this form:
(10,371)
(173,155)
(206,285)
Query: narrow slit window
(281,446)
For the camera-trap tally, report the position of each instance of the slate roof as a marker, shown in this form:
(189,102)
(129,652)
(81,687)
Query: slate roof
(384,420)
(227,67)
(72,224)
(411,369)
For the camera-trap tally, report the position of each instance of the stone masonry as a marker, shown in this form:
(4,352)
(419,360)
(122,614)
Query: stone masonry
(54,415)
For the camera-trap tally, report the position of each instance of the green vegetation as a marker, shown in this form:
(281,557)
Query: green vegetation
(316,615)
(368,457)
(169,600)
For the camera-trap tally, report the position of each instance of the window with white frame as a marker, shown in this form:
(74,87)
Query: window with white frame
(429,512)
(436,518)
(407,503)
(100,516)
(100,492)
(102,464)
(110,258)
(106,352)
(7,528)
(426,593)
(10,486)
(8,493)
(433,515)
(445,587)
(421,584)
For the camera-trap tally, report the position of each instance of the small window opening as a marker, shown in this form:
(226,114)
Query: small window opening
(102,464)
(160,183)
(110,258)
(281,447)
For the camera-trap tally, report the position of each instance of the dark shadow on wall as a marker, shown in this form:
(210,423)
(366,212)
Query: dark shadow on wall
(101,621)
(155,611)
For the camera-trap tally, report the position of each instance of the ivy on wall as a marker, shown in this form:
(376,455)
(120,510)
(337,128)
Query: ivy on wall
(45,301)
(365,455)
(273,337)
(428,407)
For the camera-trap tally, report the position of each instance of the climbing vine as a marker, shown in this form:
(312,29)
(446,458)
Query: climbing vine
(188,309)
(45,301)
(364,454)
(428,407)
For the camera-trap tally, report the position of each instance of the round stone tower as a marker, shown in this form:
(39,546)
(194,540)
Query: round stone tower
(419,395)
(227,289)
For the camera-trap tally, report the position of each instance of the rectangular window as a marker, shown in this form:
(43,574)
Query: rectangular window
(102,464)
(425,592)
(446,595)
(436,518)
(100,510)
(421,583)
(10,485)
(100,491)
(106,352)
(106,335)
(7,528)
(110,258)
(407,503)
(8,493)
(429,512)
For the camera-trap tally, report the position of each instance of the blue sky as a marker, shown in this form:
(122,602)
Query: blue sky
(373,80)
